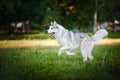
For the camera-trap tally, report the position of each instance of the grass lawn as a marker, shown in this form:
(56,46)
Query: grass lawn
(42,63)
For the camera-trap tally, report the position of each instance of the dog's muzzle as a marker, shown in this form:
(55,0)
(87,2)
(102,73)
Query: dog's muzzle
(52,33)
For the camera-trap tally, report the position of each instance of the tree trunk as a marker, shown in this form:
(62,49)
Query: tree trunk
(95,17)
(95,21)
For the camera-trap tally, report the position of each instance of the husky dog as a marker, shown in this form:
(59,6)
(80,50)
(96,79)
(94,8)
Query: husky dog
(70,40)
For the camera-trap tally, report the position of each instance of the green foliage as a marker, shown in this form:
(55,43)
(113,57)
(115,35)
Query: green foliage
(66,12)
(38,63)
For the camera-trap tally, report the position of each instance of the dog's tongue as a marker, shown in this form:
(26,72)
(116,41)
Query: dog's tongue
(51,34)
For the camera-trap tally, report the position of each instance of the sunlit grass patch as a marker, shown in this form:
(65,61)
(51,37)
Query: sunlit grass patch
(27,43)
(108,41)
(47,42)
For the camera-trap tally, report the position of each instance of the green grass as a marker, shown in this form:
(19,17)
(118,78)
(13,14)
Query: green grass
(18,36)
(114,34)
(42,63)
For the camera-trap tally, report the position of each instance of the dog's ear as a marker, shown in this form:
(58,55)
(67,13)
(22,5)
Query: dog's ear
(55,22)
(55,25)
(52,23)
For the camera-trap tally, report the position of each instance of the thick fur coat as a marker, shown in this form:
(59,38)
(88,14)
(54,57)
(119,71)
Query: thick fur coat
(69,40)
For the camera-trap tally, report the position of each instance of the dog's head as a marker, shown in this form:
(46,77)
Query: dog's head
(53,29)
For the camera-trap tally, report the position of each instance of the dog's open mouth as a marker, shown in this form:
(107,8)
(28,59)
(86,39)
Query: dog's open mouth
(52,33)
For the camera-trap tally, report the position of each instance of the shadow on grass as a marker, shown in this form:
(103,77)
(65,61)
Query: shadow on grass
(23,36)
(41,35)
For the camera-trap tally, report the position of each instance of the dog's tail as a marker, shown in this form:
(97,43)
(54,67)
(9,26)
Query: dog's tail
(100,34)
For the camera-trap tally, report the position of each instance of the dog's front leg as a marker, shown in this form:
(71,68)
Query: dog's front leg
(61,50)
(69,53)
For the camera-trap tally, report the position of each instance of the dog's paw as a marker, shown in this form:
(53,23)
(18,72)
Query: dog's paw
(59,54)
(85,59)
(91,59)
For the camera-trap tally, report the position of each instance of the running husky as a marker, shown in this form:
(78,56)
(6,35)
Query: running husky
(70,40)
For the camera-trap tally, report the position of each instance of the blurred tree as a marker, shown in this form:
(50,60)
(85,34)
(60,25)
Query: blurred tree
(7,9)
(70,13)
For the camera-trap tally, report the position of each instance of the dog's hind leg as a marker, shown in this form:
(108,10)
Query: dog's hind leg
(90,56)
(84,54)
(86,48)
(83,49)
